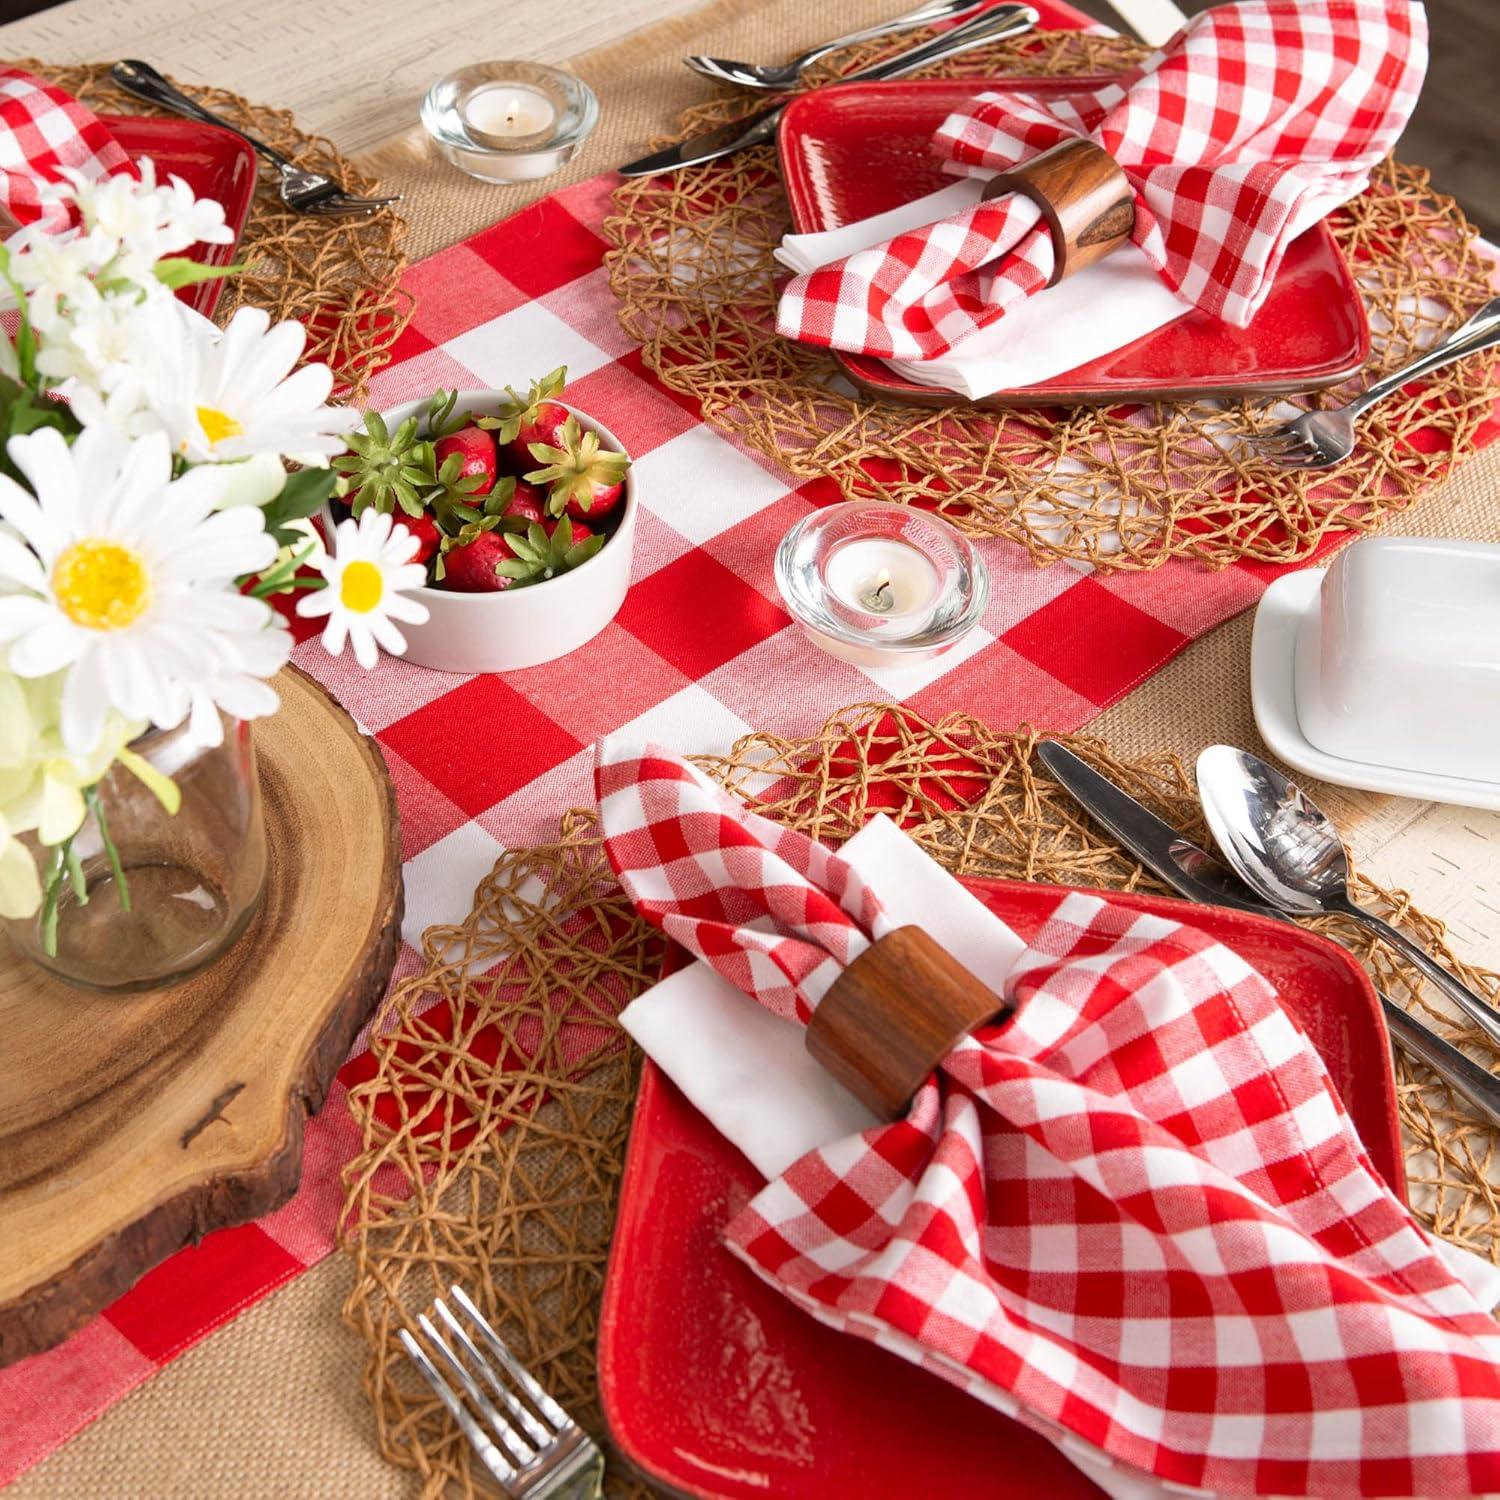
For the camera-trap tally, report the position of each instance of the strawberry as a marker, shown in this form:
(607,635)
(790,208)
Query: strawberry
(473,567)
(476,450)
(425,529)
(528,505)
(533,418)
(584,479)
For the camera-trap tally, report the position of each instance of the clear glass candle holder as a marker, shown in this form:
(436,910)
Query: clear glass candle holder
(881,585)
(192,879)
(509,121)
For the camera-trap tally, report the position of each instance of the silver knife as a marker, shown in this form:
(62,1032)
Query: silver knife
(755,130)
(1196,874)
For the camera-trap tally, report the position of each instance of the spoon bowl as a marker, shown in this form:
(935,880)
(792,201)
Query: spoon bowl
(1292,855)
(1287,850)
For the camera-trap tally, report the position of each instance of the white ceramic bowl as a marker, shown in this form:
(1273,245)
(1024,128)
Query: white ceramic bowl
(1399,665)
(524,627)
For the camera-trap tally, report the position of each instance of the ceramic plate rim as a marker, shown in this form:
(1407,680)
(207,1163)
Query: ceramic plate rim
(1273,646)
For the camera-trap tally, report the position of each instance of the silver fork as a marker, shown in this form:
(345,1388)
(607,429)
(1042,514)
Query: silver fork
(532,1446)
(302,191)
(785,75)
(1317,439)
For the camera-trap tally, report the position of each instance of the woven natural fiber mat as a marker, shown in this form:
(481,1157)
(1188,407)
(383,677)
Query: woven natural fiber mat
(495,1122)
(1123,487)
(340,277)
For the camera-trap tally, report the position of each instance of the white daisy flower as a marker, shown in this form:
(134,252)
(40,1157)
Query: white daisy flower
(125,578)
(370,564)
(239,394)
(55,270)
(100,343)
(145,219)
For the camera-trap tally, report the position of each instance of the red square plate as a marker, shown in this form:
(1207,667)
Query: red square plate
(215,163)
(861,148)
(715,1386)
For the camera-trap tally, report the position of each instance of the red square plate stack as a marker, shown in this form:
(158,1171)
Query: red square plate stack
(858,149)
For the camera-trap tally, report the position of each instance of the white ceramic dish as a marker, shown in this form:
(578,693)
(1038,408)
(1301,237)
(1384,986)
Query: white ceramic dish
(1279,619)
(1400,664)
(524,627)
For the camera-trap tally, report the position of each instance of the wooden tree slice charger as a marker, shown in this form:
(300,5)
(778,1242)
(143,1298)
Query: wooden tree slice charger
(131,1125)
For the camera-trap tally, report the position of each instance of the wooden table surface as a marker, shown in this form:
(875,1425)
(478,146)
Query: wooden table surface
(355,71)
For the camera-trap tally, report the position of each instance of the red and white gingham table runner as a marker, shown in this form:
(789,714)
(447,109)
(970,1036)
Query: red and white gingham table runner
(1252,124)
(486,763)
(42,129)
(1135,1211)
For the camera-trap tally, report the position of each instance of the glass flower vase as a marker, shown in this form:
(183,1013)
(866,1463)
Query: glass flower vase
(188,882)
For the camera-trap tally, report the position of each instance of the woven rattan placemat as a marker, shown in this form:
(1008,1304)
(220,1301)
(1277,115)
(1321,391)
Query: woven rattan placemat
(1117,487)
(495,1121)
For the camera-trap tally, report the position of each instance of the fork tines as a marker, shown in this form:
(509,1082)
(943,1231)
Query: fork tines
(523,1437)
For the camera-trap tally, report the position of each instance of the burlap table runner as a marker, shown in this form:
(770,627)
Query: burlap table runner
(271,1406)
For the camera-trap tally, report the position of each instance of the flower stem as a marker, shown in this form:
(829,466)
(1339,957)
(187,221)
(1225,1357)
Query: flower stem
(95,805)
(52,879)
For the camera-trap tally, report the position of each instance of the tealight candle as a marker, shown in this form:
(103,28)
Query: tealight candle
(882,576)
(881,585)
(509,121)
(497,113)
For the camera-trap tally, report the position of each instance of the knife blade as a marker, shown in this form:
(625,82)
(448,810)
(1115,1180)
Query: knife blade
(1192,872)
(755,130)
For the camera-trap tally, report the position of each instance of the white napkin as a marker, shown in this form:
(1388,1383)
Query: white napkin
(1102,308)
(750,1073)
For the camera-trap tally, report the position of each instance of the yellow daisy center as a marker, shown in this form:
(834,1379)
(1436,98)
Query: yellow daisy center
(361,587)
(101,585)
(218,425)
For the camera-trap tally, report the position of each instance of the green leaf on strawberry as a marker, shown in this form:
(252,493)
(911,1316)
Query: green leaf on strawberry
(540,556)
(515,410)
(580,472)
(440,419)
(382,468)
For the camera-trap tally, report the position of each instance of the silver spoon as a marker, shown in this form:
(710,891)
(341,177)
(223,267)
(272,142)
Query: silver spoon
(1289,853)
(785,75)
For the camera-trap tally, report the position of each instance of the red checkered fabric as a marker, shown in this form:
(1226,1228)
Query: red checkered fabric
(1135,1212)
(1256,121)
(482,764)
(41,130)
(777,914)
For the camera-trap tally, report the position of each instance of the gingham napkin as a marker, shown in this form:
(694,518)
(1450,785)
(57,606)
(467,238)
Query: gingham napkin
(1135,1216)
(1107,305)
(1255,122)
(42,129)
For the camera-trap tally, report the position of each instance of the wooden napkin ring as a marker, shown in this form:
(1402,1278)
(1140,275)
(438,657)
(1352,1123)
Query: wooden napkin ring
(1084,195)
(893,1014)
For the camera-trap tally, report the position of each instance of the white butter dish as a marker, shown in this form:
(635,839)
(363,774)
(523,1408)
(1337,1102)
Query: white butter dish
(1400,663)
(1285,610)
